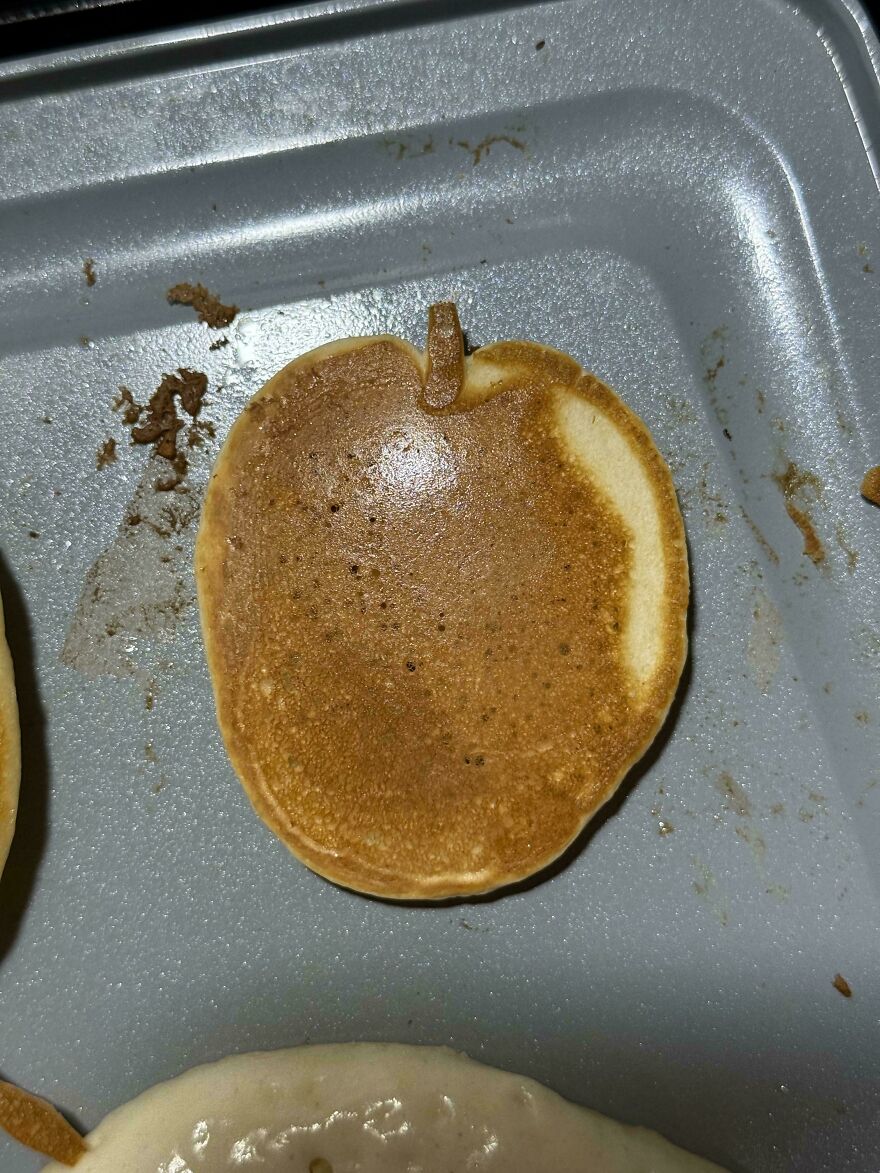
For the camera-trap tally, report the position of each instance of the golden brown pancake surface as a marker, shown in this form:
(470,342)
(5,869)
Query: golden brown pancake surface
(436,641)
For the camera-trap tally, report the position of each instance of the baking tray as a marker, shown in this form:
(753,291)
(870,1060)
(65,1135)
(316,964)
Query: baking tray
(683,196)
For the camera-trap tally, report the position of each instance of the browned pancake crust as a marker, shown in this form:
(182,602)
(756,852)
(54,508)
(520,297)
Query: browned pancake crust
(10,747)
(35,1123)
(412,619)
(871,485)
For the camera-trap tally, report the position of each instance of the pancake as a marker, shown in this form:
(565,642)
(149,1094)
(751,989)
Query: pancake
(371,1108)
(10,747)
(443,601)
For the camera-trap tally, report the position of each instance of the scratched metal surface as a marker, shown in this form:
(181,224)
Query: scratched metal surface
(681,197)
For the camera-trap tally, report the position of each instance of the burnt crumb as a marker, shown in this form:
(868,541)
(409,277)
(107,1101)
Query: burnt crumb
(47,419)
(199,430)
(813,547)
(219,343)
(106,454)
(870,487)
(485,145)
(471,928)
(410,666)
(32,533)
(727,435)
(210,309)
(712,372)
(191,387)
(539,45)
(131,411)
(842,985)
(162,423)
(759,537)
(89,271)
(800,489)
(161,427)
(402,150)
(736,799)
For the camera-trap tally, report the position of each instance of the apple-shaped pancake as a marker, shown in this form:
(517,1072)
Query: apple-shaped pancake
(368,1107)
(444,602)
(10,747)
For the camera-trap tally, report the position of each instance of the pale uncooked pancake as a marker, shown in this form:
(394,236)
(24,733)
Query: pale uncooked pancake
(367,1108)
(10,748)
(444,603)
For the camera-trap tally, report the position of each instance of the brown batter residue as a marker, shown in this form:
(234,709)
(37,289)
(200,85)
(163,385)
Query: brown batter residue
(484,146)
(415,619)
(162,423)
(89,271)
(210,309)
(842,985)
(801,489)
(131,411)
(106,454)
(813,547)
(871,485)
(35,1123)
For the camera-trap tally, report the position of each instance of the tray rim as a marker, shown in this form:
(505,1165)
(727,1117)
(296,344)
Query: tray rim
(852,13)
(844,27)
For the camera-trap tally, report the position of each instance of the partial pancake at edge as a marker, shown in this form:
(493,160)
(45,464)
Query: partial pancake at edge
(10,747)
(387,1107)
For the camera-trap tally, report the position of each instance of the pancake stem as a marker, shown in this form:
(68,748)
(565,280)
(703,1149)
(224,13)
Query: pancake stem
(444,377)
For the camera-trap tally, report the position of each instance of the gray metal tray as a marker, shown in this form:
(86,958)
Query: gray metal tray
(682,195)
